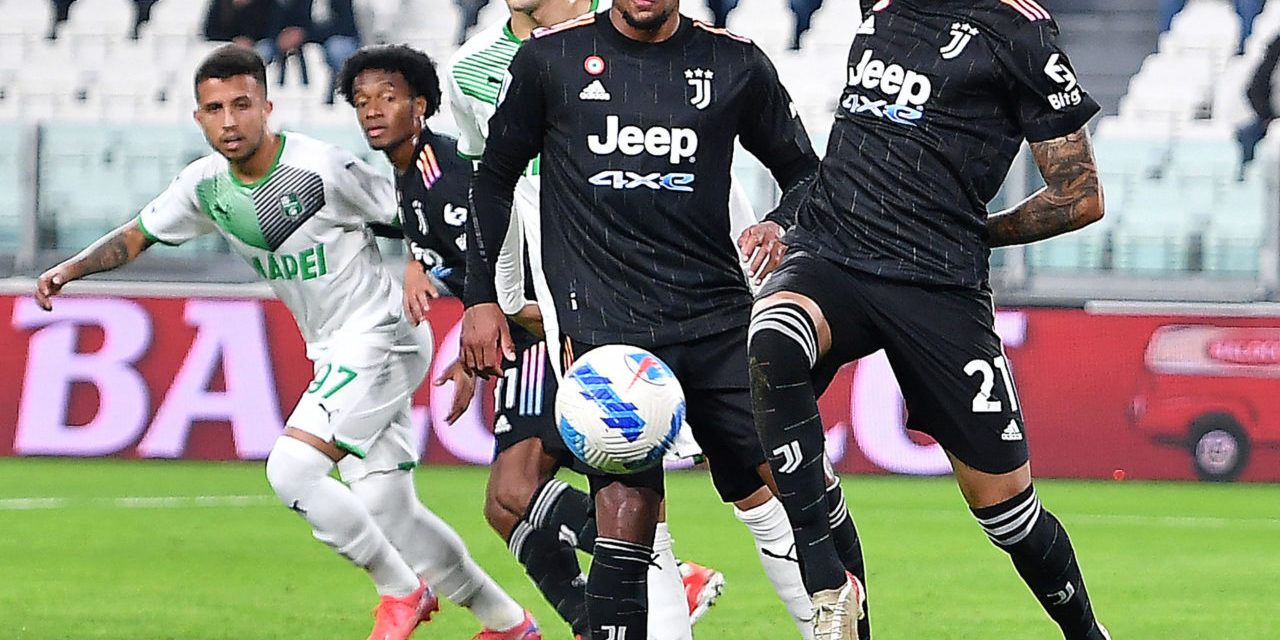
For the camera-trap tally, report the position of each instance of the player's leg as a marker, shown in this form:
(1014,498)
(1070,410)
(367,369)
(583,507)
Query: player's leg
(627,512)
(713,371)
(325,426)
(383,481)
(298,469)
(538,516)
(522,475)
(793,352)
(959,388)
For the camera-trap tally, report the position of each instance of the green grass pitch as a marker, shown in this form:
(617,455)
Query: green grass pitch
(88,550)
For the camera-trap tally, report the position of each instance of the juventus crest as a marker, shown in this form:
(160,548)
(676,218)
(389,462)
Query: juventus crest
(700,80)
(961,34)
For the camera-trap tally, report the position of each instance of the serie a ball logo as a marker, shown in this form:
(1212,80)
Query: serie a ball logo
(619,408)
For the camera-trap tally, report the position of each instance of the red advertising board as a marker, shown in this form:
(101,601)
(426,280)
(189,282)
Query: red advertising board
(1155,396)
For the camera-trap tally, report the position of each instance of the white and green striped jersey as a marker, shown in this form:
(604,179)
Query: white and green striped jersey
(473,81)
(303,227)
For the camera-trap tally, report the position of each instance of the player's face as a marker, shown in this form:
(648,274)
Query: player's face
(385,108)
(233,113)
(646,15)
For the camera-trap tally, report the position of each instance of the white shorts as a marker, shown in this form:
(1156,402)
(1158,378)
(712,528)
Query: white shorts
(360,398)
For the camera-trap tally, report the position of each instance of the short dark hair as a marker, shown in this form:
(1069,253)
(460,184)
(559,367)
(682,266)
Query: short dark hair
(229,61)
(417,68)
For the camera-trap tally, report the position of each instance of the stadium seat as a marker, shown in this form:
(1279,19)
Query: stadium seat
(1235,235)
(12,162)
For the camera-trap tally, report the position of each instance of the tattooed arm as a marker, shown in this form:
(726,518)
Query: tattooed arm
(1072,197)
(115,249)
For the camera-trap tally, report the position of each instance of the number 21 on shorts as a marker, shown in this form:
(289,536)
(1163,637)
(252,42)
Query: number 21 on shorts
(342,376)
(983,402)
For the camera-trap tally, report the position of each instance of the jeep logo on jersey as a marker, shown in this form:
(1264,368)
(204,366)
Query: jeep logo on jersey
(903,86)
(290,205)
(700,80)
(676,143)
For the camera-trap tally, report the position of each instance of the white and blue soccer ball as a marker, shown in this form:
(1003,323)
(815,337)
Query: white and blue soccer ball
(619,408)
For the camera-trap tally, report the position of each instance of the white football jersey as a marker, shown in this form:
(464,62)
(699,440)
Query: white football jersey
(304,228)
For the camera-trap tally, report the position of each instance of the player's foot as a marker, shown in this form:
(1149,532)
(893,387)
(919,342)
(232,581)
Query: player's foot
(526,630)
(396,618)
(702,587)
(836,612)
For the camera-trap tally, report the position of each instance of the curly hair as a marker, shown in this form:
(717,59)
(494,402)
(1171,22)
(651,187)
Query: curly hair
(417,68)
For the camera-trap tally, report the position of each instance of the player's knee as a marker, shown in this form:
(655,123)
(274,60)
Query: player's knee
(292,466)
(499,518)
(782,341)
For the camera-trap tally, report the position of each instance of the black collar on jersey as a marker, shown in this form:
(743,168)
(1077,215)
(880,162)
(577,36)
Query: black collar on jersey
(683,32)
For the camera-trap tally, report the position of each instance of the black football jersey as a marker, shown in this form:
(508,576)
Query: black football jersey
(636,141)
(940,95)
(433,208)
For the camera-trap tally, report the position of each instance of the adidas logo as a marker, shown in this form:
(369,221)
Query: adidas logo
(1011,433)
(594,91)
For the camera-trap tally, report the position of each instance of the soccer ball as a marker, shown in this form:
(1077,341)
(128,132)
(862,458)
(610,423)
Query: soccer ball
(619,408)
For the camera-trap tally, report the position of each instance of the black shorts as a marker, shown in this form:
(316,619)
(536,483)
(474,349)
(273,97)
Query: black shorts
(713,373)
(942,344)
(524,400)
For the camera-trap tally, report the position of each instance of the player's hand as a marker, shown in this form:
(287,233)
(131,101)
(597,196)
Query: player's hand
(49,284)
(464,388)
(486,340)
(761,247)
(418,292)
(530,317)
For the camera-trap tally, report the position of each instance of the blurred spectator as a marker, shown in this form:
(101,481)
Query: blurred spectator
(1259,94)
(243,22)
(720,11)
(62,9)
(470,10)
(293,23)
(803,10)
(1246,9)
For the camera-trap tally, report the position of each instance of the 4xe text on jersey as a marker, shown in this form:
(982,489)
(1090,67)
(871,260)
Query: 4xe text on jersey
(676,143)
(906,90)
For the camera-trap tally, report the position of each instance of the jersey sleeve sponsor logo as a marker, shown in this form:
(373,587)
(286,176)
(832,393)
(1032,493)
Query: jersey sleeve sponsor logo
(700,80)
(961,34)
(907,91)
(593,65)
(1060,72)
(1030,9)
(677,144)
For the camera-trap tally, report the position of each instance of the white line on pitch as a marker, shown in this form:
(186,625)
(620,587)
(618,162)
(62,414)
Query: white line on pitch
(136,502)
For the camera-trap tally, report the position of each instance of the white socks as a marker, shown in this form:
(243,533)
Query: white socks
(299,474)
(434,549)
(775,543)
(668,606)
